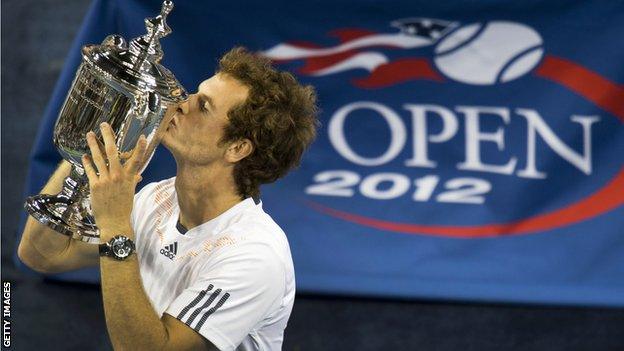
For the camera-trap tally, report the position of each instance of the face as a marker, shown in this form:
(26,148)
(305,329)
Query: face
(194,131)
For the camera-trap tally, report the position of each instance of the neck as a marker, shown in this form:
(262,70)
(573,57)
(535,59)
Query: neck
(204,193)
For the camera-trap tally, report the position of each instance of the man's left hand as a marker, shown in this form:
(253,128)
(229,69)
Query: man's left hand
(112,190)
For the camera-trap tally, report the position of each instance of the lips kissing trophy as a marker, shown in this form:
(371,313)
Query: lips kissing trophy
(119,83)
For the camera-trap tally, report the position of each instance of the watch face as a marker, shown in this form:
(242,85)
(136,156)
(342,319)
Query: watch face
(121,248)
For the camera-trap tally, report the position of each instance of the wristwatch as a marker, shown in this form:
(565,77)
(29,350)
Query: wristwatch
(119,247)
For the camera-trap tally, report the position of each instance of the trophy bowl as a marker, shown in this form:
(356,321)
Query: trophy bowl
(124,85)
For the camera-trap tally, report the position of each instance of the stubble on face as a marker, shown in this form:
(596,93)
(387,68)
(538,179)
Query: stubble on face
(194,131)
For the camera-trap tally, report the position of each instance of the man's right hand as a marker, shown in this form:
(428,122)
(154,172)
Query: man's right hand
(48,251)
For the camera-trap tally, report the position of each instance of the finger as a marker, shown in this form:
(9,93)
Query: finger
(88,168)
(134,163)
(101,148)
(125,156)
(110,147)
(96,154)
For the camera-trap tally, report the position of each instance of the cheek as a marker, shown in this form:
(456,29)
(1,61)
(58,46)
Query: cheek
(203,136)
(214,129)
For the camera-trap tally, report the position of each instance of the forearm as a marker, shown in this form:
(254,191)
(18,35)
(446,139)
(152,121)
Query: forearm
(40,245)
(55,183)
(131,320)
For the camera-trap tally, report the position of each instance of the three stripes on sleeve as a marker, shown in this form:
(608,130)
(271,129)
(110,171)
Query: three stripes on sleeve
(190,318)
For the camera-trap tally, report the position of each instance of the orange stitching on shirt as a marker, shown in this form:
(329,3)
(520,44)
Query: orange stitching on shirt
(164,205)
(209,245)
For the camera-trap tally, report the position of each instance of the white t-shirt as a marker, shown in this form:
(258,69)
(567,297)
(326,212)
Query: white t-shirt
(231,279)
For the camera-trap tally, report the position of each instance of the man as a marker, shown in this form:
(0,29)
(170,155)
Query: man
(211,270)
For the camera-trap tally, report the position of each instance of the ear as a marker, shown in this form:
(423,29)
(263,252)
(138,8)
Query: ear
(238,150)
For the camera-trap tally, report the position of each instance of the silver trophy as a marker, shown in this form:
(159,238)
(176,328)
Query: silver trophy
(124,85)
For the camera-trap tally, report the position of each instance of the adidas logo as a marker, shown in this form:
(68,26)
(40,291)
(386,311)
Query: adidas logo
(170,250)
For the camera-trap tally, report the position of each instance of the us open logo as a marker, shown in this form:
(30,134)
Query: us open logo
(439,117)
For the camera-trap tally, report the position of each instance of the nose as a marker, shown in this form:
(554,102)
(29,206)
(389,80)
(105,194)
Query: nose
(185,106)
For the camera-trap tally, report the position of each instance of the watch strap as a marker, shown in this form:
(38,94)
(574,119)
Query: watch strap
(104,249)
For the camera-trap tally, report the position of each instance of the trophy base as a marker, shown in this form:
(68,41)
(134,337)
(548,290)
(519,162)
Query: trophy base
(59,214)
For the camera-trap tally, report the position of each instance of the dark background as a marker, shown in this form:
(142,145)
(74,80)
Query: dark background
(36,36)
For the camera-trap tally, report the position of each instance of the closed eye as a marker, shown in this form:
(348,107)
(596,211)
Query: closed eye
(202,105)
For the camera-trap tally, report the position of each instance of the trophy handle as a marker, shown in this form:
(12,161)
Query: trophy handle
(67,212)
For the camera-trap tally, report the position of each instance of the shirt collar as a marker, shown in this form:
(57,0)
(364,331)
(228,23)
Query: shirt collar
(216,224)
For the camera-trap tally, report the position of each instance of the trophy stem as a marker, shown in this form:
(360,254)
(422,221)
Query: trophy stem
(68,212)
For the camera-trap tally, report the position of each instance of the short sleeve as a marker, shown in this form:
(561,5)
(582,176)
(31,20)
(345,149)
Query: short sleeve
(232,294)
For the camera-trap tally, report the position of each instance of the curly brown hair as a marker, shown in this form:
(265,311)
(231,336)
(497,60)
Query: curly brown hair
(278,117)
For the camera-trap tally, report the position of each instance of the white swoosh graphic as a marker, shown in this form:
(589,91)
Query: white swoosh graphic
(290,52)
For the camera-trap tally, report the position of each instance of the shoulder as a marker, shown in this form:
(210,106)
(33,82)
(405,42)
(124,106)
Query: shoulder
(253,234)
(256,242)
(248,248)
(255,220)
(246,267)
(255,229)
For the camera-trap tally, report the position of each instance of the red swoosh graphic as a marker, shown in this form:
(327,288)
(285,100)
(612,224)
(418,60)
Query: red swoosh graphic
(607,198)
(349,34)
(315,64)
(589,84)
(399,71)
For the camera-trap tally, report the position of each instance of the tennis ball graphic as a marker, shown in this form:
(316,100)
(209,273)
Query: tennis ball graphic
(486,54)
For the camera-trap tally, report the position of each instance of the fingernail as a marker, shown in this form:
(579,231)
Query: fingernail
(103,125)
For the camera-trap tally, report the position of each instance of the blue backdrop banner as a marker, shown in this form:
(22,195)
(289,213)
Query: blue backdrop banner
(469,150)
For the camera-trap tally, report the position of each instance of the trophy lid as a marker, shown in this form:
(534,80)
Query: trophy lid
(137,66)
